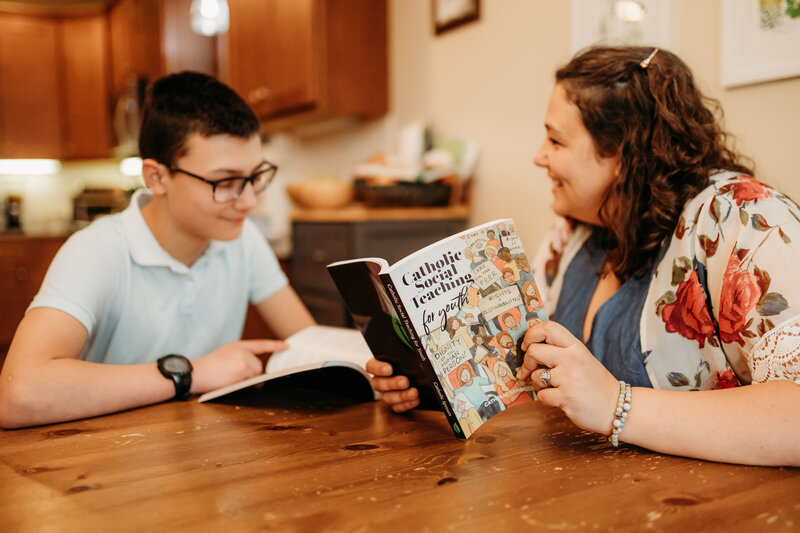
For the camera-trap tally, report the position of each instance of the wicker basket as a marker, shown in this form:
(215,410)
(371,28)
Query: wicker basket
(403,193)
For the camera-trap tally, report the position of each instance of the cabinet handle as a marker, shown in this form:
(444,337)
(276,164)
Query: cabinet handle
(258,95)
(21,273)
(319,256)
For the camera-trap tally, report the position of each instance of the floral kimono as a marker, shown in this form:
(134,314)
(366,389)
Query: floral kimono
(719,309)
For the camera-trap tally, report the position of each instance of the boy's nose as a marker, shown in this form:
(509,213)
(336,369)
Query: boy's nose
(248,199)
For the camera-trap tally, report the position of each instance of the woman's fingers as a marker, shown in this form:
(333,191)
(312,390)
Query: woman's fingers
(548,332)
(551,397)
(539,355)
(538,382)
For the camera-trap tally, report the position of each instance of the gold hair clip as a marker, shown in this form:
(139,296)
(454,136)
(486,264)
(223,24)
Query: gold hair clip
(645,63)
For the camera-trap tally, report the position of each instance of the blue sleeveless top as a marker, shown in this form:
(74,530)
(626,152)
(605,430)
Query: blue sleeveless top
(614,339)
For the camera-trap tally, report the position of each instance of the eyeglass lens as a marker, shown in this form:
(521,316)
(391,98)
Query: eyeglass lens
(230,189)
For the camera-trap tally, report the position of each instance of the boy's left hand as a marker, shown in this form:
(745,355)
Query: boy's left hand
(395,390)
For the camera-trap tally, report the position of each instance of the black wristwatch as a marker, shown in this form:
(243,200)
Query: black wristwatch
(179,370)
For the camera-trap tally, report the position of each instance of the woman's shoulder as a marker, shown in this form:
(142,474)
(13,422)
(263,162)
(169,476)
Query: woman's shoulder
(737,200)
(728,190)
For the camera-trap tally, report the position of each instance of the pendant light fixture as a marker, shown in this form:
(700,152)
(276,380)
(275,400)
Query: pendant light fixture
(209,17)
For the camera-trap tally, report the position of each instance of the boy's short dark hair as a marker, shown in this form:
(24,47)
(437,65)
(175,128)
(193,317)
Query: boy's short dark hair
(180,104)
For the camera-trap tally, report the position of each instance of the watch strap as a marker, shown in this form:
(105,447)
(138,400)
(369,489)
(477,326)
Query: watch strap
(181,380)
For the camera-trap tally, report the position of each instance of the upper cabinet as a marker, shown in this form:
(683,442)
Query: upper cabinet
(71,86)
(67,81)
(148,39)
(302,61)
(30,110)
(53,87)
(85,88)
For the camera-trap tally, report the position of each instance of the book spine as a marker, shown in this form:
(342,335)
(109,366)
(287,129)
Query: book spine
(425,362)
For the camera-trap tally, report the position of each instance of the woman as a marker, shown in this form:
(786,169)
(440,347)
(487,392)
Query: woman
(671,270)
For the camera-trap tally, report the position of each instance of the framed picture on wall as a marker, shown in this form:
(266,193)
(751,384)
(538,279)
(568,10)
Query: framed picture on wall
(449,14)
(760,41)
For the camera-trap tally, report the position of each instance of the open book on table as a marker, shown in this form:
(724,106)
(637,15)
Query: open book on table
(451,317)
(337,354)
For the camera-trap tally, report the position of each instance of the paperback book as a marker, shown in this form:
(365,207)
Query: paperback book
(451,317)
(322,354)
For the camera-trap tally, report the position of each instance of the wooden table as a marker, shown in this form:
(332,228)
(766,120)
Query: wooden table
(288,460)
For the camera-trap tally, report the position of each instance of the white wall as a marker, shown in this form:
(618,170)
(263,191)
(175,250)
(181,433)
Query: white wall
(490,80)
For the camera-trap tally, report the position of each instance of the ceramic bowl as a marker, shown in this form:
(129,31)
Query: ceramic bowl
(317,194)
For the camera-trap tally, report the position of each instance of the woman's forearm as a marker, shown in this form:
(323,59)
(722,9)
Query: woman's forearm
(755,424)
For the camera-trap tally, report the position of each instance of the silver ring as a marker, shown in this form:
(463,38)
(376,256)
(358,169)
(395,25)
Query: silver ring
(544,376)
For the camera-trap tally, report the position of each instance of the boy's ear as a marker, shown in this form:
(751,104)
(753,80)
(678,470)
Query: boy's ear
(153,173)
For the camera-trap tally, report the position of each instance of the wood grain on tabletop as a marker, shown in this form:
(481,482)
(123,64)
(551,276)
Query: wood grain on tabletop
(283,461)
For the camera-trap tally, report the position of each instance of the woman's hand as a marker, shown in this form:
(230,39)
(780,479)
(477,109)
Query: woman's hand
(394,390)
(581,385)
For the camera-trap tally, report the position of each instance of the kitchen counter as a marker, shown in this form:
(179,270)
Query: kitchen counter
(359,212)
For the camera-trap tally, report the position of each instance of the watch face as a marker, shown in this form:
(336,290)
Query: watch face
(176,364)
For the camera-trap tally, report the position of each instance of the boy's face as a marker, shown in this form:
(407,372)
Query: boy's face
(191,202)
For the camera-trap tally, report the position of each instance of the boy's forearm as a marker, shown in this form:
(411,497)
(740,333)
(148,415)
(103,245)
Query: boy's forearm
(69,389)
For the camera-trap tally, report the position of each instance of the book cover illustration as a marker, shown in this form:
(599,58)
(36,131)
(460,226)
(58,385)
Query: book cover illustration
(461,308)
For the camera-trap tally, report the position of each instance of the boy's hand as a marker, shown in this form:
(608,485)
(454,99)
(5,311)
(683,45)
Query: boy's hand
(231,363)
(394,390)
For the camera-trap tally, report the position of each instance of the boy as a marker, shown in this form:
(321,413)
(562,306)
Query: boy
(170,275)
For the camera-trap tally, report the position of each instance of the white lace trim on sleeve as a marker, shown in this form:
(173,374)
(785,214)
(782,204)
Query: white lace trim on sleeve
(777,354)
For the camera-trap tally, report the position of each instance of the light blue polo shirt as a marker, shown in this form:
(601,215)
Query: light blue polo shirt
(138,302)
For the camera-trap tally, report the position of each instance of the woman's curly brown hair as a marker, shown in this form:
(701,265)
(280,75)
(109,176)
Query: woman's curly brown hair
(666,135)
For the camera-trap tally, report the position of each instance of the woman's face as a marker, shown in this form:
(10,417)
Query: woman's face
(580,176)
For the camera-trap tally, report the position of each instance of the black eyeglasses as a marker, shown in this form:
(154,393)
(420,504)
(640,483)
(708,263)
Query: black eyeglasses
(228,189)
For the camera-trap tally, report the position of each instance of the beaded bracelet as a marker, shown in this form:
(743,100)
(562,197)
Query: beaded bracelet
(621,413)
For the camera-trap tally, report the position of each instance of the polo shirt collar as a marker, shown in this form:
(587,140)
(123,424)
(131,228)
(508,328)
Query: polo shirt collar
(144,248)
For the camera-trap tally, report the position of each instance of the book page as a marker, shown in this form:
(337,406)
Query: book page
(312,348)
(321,343)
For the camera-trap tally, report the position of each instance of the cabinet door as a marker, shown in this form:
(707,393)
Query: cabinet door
(23,264)
(30,106)
(269,56)
(182,48)
(84,51)
(135,29)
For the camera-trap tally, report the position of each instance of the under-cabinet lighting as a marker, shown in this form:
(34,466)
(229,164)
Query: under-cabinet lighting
(30,167)
(209,17)
(131,166)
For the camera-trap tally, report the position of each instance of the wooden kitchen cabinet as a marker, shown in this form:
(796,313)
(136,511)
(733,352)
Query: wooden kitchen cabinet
(61,77)
(302,61)
(85,87)
(53,87)
(151,38)
(23,264)
(317,243)
(30,106)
